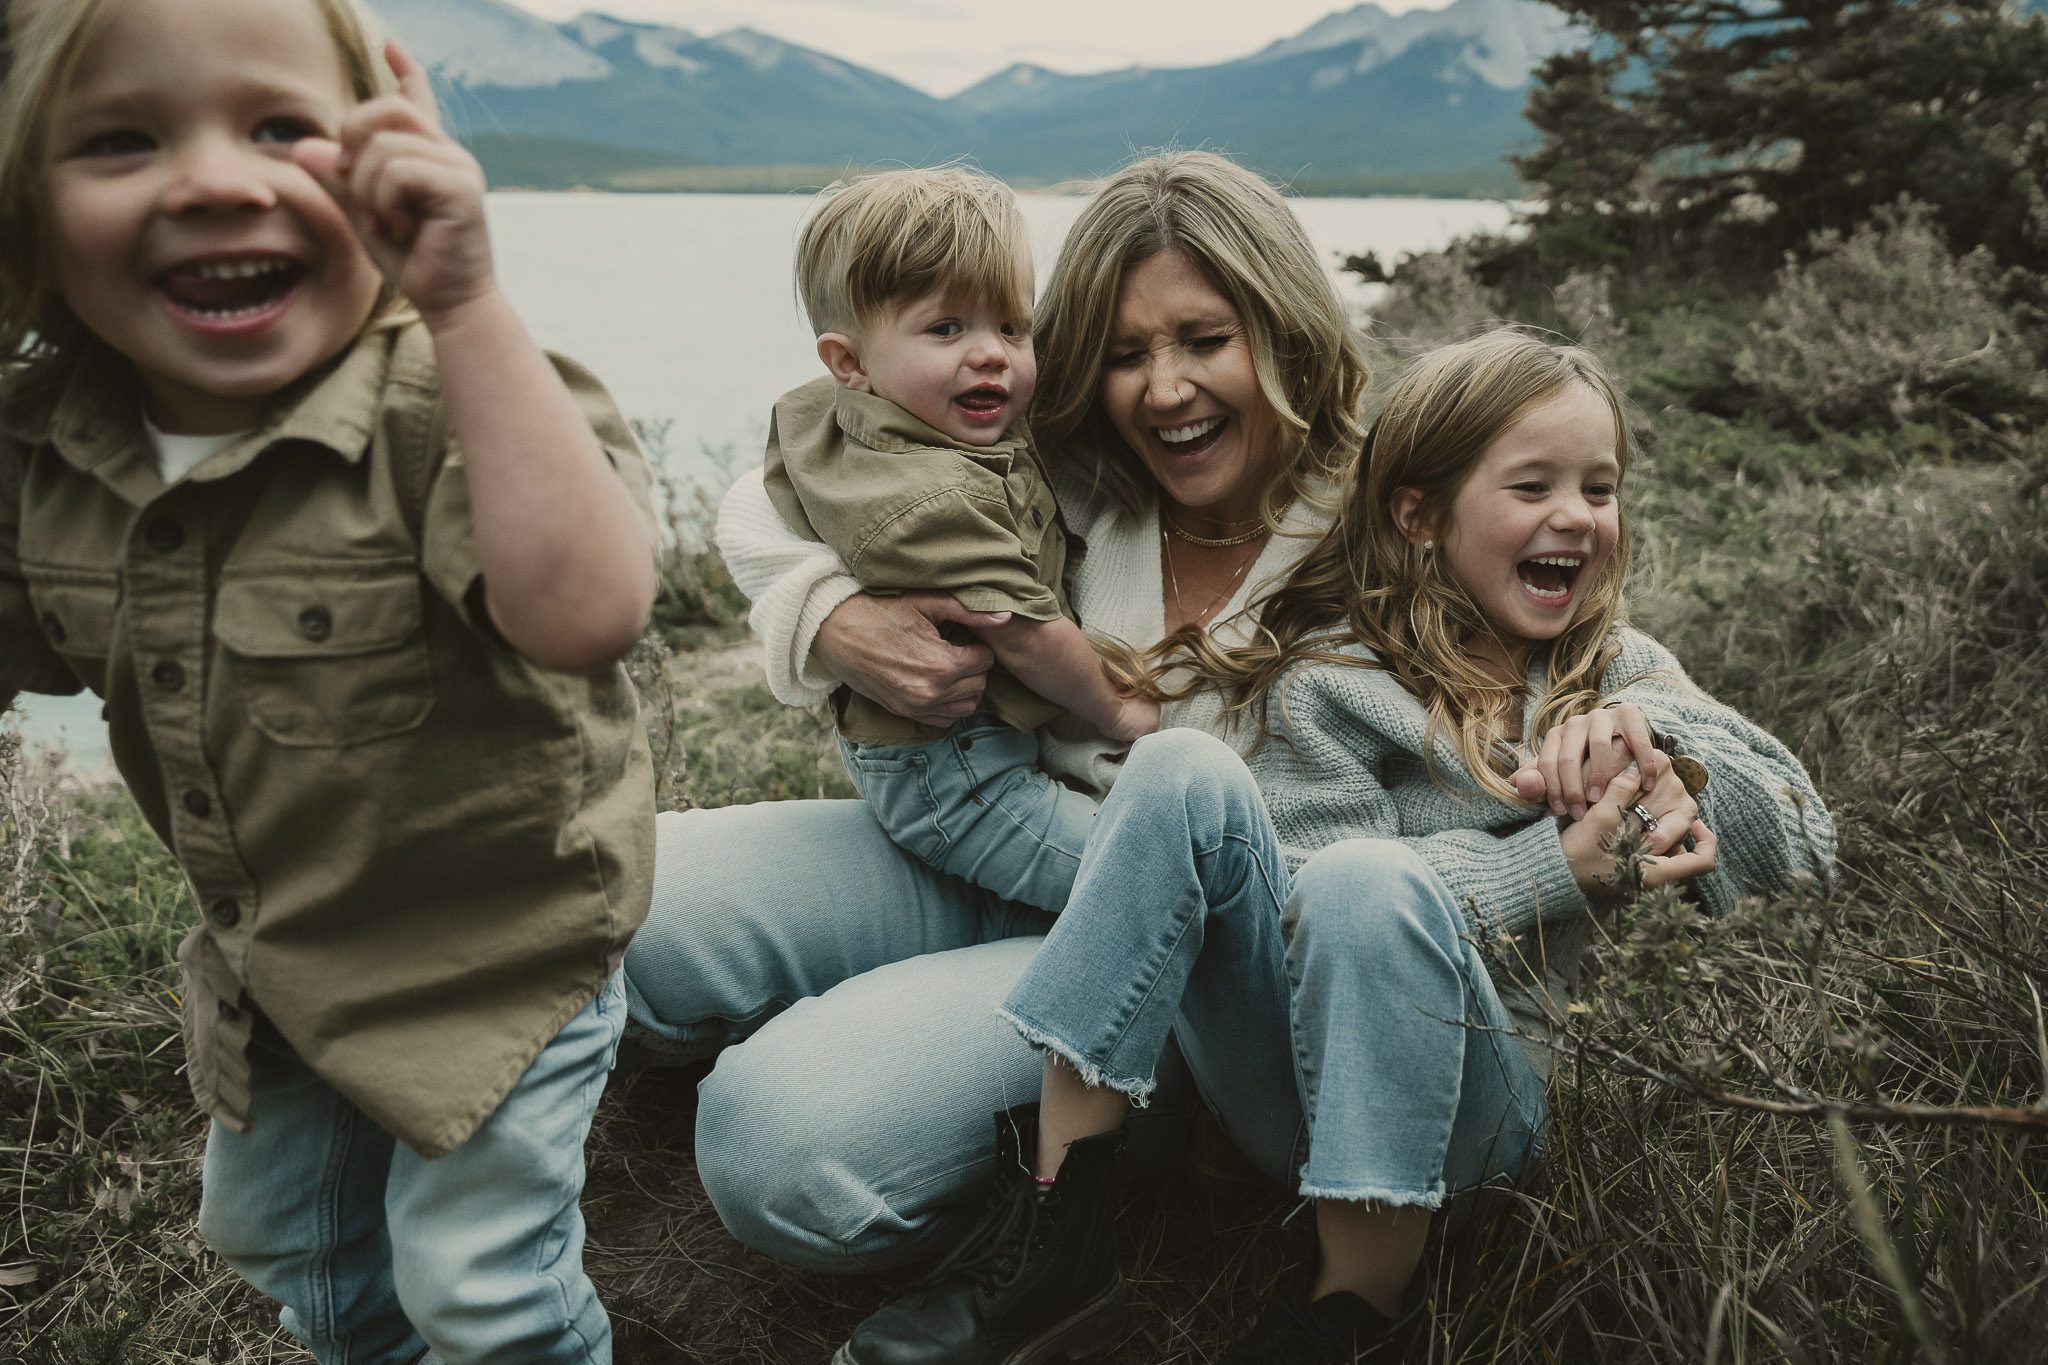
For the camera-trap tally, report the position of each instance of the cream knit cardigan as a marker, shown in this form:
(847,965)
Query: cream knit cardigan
(794,584)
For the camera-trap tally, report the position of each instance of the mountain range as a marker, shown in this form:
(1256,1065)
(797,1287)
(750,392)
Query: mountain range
(1426,101)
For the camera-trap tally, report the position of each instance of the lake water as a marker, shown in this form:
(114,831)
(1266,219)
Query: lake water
(683,304)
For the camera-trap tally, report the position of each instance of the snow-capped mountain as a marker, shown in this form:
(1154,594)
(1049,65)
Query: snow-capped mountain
(488,42)
(1360,95)
(1503,39)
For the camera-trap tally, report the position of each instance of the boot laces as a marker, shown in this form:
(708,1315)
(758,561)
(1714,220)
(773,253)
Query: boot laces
(993,1252)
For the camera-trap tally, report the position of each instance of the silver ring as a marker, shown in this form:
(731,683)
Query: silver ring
(1649,820)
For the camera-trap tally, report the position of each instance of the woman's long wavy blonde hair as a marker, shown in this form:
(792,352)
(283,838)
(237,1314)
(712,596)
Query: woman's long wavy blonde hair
(42,43)
(1365,582)
(1244,239)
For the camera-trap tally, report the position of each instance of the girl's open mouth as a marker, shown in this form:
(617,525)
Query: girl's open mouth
(1193,438)
(982,404)
(1550,578)
(230,292)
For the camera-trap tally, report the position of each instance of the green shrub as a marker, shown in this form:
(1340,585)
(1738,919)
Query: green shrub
(1886,322)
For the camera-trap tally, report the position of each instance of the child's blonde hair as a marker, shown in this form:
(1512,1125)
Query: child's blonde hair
(1366,581)
(41,45)
(1244,239)
(880,241)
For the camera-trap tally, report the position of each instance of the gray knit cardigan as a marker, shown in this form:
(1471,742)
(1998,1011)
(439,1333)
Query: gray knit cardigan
(1345,761)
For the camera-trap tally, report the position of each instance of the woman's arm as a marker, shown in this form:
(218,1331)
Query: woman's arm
(793,584)
(818,629)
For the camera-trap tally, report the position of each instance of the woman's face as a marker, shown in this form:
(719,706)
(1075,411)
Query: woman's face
(1179,386)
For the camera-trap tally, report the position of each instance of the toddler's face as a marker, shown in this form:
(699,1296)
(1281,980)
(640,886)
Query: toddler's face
(959,365)
(185,237)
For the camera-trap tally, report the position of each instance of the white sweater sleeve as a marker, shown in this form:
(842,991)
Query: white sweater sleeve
(793,584)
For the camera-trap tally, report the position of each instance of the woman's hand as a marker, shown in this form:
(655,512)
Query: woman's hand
(890,651)
(1578,759)
(1587,842)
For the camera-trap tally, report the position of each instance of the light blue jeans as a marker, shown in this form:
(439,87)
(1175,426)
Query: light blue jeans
(1324,1016)
(850,1127)
(377,1253)
(976,804)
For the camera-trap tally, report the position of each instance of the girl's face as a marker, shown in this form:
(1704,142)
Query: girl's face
(184,236)
(1533,525)
(1180,387)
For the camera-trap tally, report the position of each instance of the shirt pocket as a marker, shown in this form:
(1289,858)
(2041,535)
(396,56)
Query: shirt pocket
(76,610)
(328,661)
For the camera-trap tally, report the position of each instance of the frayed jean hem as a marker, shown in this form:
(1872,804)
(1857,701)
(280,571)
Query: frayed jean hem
(1138,1092)
(1432,1198)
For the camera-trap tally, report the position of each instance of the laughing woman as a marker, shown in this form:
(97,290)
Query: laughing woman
(1197,404)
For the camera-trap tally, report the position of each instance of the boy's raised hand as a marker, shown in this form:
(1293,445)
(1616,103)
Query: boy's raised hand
(414,194)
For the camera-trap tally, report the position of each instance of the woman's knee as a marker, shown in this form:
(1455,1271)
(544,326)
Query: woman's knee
(779,1161)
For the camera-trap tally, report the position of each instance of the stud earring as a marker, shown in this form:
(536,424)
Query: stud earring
(1429,545)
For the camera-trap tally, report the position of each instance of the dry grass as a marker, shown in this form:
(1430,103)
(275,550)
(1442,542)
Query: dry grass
(1890,630)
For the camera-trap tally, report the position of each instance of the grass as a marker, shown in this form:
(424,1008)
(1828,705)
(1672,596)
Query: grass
(1735,1172)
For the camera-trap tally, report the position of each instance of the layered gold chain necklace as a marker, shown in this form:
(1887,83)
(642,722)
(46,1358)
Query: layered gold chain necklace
(1224,542)
(1173,575)
(1170,530)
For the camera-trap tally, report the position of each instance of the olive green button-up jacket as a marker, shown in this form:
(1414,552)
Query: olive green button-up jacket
(906,508)
(417,853)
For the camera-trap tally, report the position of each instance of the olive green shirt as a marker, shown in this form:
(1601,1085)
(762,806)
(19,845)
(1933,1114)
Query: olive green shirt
(418,853)
(906,507)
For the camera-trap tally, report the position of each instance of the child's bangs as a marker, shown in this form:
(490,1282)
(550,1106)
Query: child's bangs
(958,246)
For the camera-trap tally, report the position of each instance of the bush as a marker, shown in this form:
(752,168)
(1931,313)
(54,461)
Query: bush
(1438,296)
(1886,322)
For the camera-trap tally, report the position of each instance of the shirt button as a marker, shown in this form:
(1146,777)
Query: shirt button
(316,623)
(226,913)
(53,627)
(228,1013)
(168,675)
(199,803)
(164,535)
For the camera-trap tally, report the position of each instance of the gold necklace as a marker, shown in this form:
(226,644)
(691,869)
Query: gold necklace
(1225,542)
(1173,578)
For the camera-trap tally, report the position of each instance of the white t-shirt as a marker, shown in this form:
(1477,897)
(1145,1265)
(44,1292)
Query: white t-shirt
(175,455)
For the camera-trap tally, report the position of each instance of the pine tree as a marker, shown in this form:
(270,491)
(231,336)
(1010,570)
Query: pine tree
(1705,130)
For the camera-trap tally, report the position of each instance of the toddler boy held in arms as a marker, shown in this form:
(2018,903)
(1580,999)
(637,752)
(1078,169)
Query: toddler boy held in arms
(911,460)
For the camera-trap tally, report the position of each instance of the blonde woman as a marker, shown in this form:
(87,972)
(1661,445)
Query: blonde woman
(1370,908)
(1198,398)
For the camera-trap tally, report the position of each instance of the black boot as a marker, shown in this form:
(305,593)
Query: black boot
(1337,1329)
(1036,1280)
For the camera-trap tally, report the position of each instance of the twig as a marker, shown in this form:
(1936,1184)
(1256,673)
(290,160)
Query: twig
(1805,1103)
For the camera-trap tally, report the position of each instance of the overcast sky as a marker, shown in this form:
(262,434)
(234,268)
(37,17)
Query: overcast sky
(946,45)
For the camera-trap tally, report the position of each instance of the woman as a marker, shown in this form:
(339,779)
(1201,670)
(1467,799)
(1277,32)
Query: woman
(1198,399)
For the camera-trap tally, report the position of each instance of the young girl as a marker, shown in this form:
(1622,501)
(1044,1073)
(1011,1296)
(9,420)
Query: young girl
(1319,927)
(352,579)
